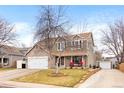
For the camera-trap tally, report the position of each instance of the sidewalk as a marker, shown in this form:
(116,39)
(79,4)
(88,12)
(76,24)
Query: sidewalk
(14,84)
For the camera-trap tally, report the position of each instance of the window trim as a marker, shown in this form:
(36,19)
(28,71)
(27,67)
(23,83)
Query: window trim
(61,46)
(6,63)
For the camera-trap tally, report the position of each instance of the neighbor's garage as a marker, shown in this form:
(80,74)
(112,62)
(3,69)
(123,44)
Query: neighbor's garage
(38,62)
(105,64)
(21,64)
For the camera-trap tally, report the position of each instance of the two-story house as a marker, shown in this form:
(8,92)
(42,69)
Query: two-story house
(76,48)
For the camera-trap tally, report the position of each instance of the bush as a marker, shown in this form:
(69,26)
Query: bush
(71,67)
(94,66)
(97,66)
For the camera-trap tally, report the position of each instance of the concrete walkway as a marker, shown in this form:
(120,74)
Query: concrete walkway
(105,79)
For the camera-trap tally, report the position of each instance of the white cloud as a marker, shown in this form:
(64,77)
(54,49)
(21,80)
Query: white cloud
(97,35)
(24,33)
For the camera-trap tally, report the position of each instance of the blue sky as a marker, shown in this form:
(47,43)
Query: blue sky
(28,13)
(24,18)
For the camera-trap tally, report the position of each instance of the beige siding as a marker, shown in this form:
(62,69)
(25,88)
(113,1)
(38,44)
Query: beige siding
(91,54)
(36,52)
(86,49)
(67,61)
(13,60)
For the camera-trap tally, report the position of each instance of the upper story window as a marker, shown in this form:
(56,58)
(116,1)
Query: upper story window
(68,43)
(77,43)
(60,46)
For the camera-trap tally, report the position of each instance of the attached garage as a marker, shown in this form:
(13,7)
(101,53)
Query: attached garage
(105,65)
(38,62)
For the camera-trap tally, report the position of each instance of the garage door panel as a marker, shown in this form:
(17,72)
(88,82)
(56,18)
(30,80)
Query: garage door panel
(105,65)
(38,63)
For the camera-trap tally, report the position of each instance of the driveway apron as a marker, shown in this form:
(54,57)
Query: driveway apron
(105,79)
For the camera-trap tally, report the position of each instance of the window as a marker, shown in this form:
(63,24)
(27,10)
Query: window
(61,61)
(60,46)
(68,43)
(77,43)
(5,61)
(63,45)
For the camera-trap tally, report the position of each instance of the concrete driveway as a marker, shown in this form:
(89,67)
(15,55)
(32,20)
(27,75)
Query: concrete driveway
(105,79)
(7,75)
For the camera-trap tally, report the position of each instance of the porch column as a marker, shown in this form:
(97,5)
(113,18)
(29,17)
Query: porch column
(60,61)
(82,61)
(64,62)
(71,58)
(2,61)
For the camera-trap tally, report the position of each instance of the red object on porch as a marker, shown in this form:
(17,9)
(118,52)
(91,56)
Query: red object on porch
(83,62)
(71,63)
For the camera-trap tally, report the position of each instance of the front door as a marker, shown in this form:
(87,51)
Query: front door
(77,59)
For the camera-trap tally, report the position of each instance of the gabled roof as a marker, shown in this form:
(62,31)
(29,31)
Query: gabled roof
(84,35)
(9,50)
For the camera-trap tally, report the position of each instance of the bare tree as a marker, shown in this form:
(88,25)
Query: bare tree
(52,24)
(7,35)
(114,39)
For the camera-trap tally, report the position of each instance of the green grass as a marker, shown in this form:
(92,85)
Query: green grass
(71,78)
(5,69)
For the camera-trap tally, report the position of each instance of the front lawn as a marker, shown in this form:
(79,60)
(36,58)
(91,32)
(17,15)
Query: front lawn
(5,69)
(71,78)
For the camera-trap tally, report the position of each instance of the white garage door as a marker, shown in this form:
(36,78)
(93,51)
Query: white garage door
(38,62)
(105,65)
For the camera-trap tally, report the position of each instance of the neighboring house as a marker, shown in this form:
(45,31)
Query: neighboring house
(113,60)
(108,62)
(79,47)
(9,55)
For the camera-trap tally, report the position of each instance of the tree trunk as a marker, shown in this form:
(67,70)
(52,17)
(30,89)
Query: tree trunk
(57,66)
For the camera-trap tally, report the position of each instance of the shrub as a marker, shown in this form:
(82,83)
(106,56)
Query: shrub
(94,66)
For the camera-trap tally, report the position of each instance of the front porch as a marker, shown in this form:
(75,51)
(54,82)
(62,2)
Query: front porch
(64,61)
(4,61)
